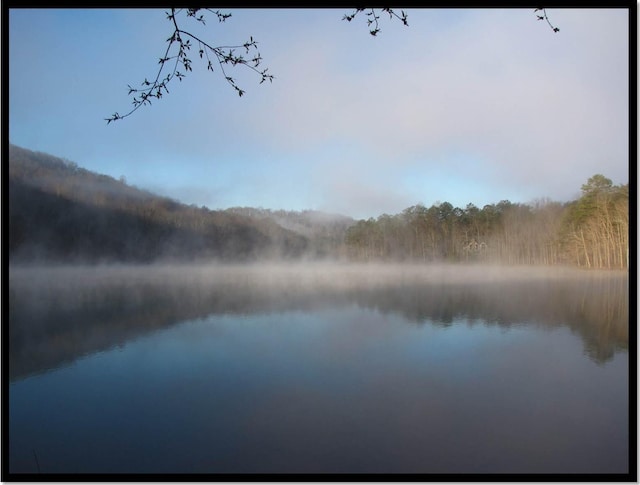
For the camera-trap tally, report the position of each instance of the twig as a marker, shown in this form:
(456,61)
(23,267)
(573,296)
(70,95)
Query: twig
(223,54)
(545,17)
(372,18)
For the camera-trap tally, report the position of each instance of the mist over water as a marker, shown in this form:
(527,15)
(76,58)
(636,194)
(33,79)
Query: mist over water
(318,367)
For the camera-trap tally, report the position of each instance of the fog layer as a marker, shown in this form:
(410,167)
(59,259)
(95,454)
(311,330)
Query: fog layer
(57,314)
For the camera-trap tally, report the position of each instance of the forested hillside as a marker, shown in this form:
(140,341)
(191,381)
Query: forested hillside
(59,211)
(591,232)
(325,231)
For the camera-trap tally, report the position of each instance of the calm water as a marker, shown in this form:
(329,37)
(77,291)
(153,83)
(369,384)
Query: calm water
(318,369)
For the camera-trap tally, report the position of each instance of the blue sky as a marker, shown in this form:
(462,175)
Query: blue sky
(465,106)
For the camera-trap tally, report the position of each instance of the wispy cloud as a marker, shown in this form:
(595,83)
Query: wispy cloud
(475,101)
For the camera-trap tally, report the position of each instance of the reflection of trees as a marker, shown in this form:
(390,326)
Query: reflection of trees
(61,316)
(57,316)
(596,308)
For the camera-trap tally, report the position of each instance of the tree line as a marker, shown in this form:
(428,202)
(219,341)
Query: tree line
(591,232)
(59,211)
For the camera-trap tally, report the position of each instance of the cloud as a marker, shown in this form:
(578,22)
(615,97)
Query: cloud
(361,190)
(462,102)
(535,106)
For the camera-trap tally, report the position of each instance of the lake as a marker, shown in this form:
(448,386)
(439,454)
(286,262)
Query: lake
(318,368)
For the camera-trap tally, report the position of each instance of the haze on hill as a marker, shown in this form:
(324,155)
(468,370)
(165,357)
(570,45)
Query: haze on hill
(60,212)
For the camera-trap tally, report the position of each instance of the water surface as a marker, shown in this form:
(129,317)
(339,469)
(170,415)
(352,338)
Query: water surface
(318,369)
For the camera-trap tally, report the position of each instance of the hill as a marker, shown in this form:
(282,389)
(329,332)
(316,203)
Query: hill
(59,211)
(325,232)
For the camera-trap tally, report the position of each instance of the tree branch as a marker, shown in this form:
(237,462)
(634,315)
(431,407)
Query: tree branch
(223,55)
(545,17)
(373,17)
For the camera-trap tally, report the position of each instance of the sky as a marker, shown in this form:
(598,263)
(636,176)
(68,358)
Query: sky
(462,106)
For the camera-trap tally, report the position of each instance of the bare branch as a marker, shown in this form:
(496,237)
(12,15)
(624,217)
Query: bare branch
(225,55)
(181,39)
(373,17)
(545,17)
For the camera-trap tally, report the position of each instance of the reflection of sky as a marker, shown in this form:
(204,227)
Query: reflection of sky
(342,389)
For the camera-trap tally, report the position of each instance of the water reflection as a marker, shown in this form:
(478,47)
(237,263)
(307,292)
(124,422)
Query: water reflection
(318,370)
(57,315)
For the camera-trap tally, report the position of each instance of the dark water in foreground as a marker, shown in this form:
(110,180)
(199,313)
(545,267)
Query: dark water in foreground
(318,370)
